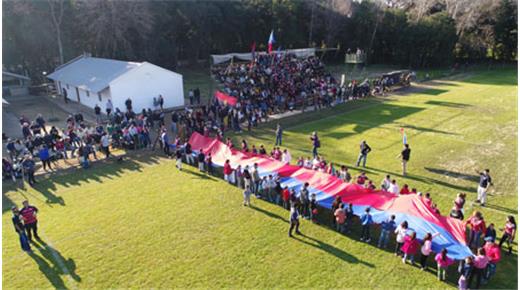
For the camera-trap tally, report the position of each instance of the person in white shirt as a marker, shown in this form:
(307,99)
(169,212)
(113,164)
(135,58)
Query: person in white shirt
(286,157)
(385,184)
(393,188)
(316,163)
(426,248)
(265,187)
(400,232)
(109,107)
(105,144)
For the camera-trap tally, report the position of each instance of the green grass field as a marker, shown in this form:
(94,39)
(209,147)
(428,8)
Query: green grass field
(143,224)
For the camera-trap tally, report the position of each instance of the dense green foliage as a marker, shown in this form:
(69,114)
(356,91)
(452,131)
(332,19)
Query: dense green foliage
(170,32)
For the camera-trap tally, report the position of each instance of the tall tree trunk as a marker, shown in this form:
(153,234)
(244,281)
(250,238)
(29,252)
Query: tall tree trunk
(56,21)
(312,24)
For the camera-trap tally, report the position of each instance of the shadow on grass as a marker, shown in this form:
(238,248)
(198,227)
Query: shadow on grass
(269,214)
(200,174)
(424,179)
(430,130)
(433,92)
(47,184)
(447,104)
(332,250)
(382,114)
(317,243)
(501,208)
(53,265)
(459,175)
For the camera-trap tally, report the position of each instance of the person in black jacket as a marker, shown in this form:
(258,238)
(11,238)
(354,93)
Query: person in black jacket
(201,157)
(19,227)
(189,154)
(405,157)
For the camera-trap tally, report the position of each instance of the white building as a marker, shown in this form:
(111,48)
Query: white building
(90,81)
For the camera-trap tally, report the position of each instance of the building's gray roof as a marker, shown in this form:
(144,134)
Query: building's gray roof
(15,75)
(92,73)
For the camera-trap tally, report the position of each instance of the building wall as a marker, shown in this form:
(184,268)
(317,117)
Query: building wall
(89,99)
(144,83)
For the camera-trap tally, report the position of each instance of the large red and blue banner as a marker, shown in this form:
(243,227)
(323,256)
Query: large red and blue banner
(225,98)
(411,208)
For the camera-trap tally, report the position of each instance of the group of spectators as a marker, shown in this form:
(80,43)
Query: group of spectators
(277,83)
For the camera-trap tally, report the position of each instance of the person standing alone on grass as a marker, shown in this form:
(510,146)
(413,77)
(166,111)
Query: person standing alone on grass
(364,149)
(315,144)
(483,186)
(20,229)
(279,133)
(201,157)
(405,157)
(294,220)
(28,213)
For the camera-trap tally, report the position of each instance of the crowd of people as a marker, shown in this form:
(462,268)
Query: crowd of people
(275,83)
(473,271)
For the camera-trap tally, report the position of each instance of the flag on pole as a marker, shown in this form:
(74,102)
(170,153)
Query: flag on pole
(270,42)
(253,49)
(405,140)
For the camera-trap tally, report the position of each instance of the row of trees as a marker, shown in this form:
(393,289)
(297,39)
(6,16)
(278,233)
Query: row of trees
(416,33)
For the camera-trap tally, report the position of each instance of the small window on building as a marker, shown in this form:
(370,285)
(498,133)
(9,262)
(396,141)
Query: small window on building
(88,94)
(99,96)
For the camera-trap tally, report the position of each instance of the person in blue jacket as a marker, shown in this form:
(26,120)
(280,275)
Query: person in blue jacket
(366,221)
(45,157)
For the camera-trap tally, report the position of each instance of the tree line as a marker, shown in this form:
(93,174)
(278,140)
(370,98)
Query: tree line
(38,35)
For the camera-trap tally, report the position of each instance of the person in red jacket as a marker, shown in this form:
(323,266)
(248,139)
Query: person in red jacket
(477,227)
(493,253)
(28,213)
(227,171)
(286,195)
(404,190)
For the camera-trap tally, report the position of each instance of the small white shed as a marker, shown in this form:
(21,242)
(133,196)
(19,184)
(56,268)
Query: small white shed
(91,80)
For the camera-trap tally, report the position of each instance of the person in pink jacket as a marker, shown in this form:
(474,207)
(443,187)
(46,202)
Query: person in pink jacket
(494,254)
(477,228)
(410,247)
(443,261)
(480,263)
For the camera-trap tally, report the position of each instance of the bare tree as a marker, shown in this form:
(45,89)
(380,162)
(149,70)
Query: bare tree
(115,27)
(56,7)
(333,13)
